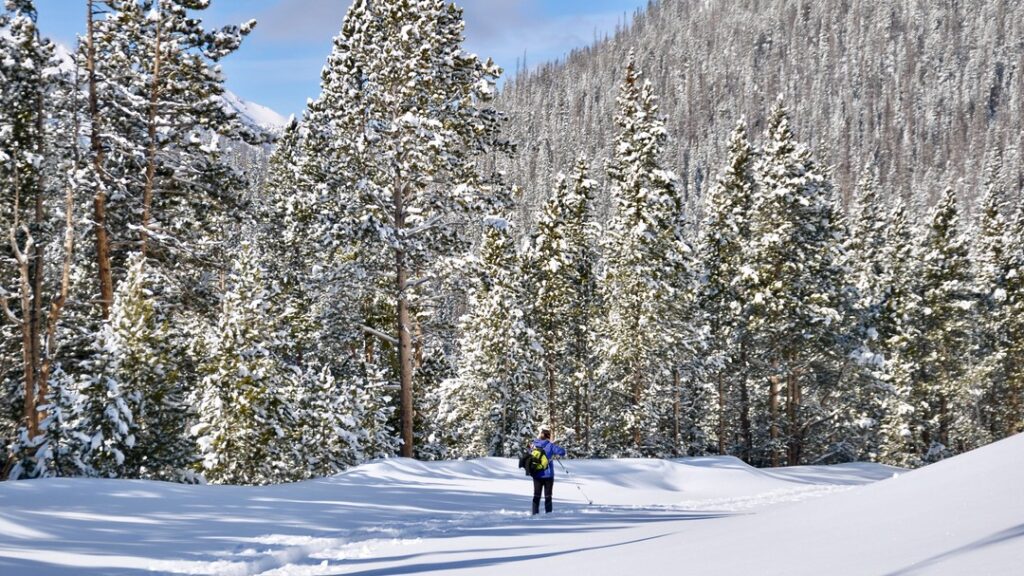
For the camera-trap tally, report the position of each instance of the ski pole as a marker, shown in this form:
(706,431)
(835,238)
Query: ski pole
(574,482)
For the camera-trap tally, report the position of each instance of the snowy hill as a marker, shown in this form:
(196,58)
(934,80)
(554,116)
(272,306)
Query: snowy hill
(255,114)
(707,515)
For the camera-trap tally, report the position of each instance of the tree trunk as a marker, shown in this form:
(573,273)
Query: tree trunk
(721,413)
(154,100)
(676,412)
(793,414)
(100,197)
(637,399)
(746,432)
(404,329)
(775,387)
(38,269)
(550,361)
(28,353)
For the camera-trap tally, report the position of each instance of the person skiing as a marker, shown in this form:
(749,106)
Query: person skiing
(545,479)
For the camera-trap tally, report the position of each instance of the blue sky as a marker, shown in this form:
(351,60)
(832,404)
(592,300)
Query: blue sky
(279,64)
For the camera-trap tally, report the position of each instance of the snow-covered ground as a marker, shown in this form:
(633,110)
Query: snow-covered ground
(700,516)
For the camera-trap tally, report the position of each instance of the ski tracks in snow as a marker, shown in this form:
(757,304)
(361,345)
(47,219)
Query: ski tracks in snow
(331,553)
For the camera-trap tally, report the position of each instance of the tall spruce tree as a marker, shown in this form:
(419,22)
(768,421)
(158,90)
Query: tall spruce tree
(498,399)
(399,126)
(935,412)
(645,260)
(564,259)
(721,252)
(797,306)
(246,398)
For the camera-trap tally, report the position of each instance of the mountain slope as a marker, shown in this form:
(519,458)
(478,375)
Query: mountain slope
(929,92)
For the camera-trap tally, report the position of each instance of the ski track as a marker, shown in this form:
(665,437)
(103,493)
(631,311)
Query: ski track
(319,555)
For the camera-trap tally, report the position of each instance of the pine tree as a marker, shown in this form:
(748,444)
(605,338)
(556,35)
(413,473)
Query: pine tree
(645,259)
(245,410)
(564,259)
(1009,418)
(162,183)
(35,106)
(330,418)
(151,376)
(935,411)
(721,252)
(107,416)
(990,253)
(499,399)
(797,312)
(405,109)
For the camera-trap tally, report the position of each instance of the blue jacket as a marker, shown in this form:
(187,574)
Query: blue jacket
(551,450)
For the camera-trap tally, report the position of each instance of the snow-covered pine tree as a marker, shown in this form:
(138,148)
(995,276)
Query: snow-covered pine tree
(865,261)
(150,375)
(996,259)
(646,260)
(903,400)
(245,412)
(157,121)
(398,129)
(35,106)
(721,251)
(1009,418)
(797,312)
(330,420)
(936,411)
(989,255)
(106,412)
(563,259)
(499,396)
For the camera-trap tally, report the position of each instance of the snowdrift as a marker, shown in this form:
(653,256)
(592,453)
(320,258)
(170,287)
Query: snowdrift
(696,515)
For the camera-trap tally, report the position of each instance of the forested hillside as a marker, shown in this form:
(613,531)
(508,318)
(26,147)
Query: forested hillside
(836,277)
(927,93)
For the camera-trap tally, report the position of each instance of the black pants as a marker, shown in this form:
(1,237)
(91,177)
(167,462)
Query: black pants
(546,484)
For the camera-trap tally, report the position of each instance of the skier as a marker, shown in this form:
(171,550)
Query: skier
(545,480)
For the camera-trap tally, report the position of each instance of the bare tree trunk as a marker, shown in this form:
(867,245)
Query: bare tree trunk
(404,329)
(38,269)
(154,101)
(746,432)
(676,412)
(775,387)
(57,306)
(793,414)
(28,354)
(100,197)
(721,413)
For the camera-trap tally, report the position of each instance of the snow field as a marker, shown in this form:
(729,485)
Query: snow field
(711,516)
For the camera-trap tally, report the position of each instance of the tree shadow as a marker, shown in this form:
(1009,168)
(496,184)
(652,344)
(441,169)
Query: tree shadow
(990,540)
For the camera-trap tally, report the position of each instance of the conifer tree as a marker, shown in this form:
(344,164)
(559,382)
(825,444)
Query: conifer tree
(797,304)
(935,413)
(564,261)
(499,399)
(721,252)
(405,109)
(150,374)
(157,119)
(1008,419)
(330,419)
(645,260)
(35,104)
(245,411)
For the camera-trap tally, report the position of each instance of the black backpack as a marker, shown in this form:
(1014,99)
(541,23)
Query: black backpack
(534,461)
